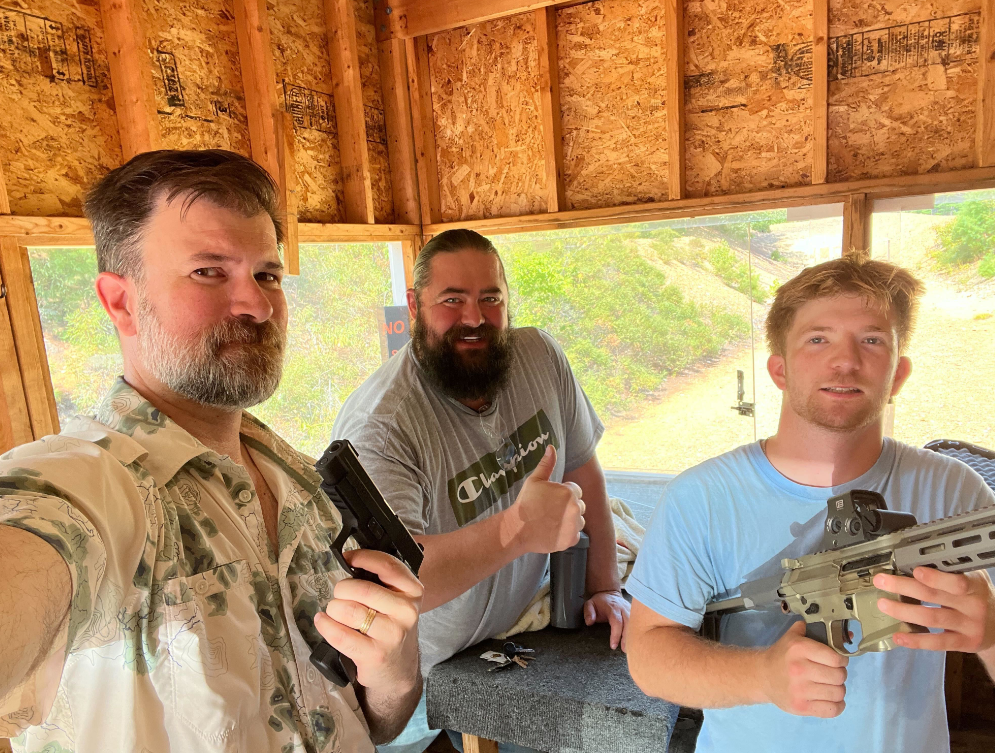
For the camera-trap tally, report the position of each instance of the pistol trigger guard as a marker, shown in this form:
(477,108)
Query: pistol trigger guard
(337,545)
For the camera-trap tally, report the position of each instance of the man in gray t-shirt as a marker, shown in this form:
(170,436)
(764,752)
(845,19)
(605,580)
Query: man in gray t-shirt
(483,442)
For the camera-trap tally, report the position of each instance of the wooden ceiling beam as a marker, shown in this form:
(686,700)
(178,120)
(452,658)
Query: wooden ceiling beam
(676,147)
(820,91)
(350,117)
(131,76)
(414,18)
(829,193)
(985,137)
(267,136)
(549,95)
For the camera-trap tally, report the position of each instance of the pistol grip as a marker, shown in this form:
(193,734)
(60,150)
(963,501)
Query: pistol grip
(334,667)
(817,632)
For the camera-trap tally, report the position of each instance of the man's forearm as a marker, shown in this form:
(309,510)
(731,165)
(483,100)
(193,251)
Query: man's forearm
(34,603)
(675,664)
(988,659)
(387,713)
(455,562)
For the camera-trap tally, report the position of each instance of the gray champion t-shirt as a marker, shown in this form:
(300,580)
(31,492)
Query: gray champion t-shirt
(441,465)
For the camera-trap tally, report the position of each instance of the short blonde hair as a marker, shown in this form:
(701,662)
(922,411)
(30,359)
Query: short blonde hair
(892,288)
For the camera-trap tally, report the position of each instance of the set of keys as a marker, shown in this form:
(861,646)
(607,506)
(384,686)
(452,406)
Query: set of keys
(513,654)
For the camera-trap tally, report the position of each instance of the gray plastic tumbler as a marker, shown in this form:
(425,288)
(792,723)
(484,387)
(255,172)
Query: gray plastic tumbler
(567,577)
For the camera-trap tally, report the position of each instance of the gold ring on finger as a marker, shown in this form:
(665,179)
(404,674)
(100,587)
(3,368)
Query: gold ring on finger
(371,614)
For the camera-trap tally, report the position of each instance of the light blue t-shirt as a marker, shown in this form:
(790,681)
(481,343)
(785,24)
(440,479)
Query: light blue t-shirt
(734,518)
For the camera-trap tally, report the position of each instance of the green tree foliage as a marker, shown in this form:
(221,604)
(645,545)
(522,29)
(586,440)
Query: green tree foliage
(736,273)
(624,328)
(971,236)
(333,341)
(83,353)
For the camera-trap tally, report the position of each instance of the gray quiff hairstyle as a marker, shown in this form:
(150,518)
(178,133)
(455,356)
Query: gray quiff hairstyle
(120,204)
(450,242)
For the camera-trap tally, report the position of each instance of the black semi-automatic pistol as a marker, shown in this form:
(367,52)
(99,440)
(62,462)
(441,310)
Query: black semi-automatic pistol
(367,518)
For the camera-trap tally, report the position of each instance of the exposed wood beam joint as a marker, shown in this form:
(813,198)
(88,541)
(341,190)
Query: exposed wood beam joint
(549,95)
(414,18)
(131,76)
(674,20)
(347,89)
(28,339)
(268,139)
(423,124)
(986,87)
(820,91)
(857,224)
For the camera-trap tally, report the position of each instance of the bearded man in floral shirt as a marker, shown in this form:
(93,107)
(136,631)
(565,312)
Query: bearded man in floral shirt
(165,565)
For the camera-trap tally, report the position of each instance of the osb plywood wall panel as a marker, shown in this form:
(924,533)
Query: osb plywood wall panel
(488,129)
(304,87)
(376,128)
(58,129)
(903,86)
(748,104)
(198,82)
(613,92)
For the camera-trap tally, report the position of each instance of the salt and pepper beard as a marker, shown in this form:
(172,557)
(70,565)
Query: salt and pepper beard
(477,374)
(235,364)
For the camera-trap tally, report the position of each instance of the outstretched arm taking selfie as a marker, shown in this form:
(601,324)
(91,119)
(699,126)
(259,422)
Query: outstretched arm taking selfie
(34,604)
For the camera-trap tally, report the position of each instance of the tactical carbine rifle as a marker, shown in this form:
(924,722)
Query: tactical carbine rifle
(863,538)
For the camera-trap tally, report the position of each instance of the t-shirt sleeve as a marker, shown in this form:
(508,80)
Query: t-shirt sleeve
(393,467)
(673,574)
(583,427)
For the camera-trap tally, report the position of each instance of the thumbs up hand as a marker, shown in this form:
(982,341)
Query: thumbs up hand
(550,515)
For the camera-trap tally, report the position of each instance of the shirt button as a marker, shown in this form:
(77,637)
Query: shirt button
(245,495)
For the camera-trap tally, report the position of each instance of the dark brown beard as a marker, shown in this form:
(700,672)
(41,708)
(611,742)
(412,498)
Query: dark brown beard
(473,375)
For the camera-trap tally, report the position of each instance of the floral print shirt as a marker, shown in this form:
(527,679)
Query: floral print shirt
(186,631)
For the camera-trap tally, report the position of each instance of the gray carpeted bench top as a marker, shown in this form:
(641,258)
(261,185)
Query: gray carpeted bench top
(576,697)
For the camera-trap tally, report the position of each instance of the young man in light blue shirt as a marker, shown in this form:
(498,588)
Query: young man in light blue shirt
(837,333)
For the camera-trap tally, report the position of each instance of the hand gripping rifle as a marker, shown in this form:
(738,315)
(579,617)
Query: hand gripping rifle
(367,518)
(863,538)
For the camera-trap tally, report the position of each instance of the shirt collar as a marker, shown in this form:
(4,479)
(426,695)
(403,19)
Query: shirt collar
(168,447)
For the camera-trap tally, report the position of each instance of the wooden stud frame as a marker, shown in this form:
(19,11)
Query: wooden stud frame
(400,138)
(549,95)
(986,87)
(15,421)
(268,136)
(857,224)
(423,124)
(347,88)
(131,76)
(4,199)
(25,324)
(820,91)
(675,97)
